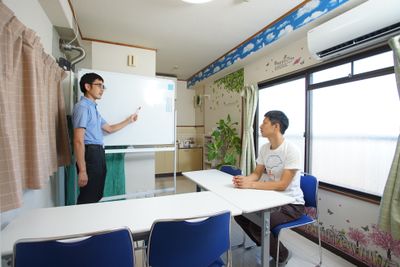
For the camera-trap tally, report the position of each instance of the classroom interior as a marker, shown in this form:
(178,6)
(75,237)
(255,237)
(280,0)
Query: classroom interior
(343,109)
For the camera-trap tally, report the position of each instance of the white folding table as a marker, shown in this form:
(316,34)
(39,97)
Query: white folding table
(136,214)
(247,200)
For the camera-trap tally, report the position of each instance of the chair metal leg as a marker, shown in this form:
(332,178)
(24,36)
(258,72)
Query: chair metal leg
(319,244)
(229,258)
(142,247)
(277,250)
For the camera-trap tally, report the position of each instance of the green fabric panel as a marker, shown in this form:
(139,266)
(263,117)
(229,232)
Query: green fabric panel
(71,193)
(115,179)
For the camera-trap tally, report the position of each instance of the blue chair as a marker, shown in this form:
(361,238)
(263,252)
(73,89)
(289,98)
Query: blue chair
(100,249)
(198,242)
(232,170)
(309,186)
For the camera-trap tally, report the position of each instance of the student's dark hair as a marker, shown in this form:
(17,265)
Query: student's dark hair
(277,116)
(89,78)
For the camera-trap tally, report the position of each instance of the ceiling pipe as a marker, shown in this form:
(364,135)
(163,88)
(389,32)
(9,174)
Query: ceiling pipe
(79,58)
(69,47)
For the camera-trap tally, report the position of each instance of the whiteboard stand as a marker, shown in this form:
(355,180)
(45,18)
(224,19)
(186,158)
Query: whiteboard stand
(147,193)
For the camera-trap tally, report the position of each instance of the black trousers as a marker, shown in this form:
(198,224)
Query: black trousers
(96,170)
(284,214)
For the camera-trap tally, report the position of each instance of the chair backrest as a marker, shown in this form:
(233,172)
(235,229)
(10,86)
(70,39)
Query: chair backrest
(309,186)
(232,170)
(100,249)
(182,243)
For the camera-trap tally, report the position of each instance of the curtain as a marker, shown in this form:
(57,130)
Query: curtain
(248,159)
(33,127)
(389,218)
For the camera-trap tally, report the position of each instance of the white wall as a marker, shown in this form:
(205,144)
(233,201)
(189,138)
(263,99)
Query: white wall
(219,105)
(279,62)
(111,57)
(32,15)
(184,105)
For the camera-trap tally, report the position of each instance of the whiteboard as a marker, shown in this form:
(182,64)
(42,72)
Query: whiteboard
(124,94)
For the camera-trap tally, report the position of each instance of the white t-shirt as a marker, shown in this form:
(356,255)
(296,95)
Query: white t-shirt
(286,156)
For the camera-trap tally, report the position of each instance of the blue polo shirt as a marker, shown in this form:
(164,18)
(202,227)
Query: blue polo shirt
(85,115)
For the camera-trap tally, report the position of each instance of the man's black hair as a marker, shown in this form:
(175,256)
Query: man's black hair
(89,78)
(277,116)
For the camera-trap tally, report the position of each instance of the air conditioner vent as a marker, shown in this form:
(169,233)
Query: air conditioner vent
(360,40)
(366,25)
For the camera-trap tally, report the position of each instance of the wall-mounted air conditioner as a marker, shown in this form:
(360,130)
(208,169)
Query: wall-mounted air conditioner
(367,24)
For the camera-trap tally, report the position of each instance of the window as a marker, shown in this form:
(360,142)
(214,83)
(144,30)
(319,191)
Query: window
(350,120)
(376,62)
(354,133)
(331,73)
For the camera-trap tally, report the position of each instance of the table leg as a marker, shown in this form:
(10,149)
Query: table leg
(265,232)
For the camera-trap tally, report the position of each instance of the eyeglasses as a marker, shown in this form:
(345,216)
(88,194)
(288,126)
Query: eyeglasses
(102,86)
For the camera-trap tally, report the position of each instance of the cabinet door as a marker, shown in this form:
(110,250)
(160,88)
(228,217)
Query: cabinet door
(159,162)
(169,161)
(190,159)
(197,159)
(164,162)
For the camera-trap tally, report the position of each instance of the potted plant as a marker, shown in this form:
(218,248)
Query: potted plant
(225,145)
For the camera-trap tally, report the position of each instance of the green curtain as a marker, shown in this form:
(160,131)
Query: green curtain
(248,158)
(389,217)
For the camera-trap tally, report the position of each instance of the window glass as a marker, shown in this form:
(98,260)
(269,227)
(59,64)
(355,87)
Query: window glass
(288,97)
(331,73)
(354,133)
(376,62)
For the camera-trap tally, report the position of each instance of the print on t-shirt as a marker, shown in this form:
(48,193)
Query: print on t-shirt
(273,162)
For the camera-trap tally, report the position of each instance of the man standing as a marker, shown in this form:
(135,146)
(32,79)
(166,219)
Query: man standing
(278,166)
(88,139)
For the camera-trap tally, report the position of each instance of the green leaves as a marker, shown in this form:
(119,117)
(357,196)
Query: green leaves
(233,82)
(225,146)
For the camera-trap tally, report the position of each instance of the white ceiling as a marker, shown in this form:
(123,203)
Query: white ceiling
(187,37)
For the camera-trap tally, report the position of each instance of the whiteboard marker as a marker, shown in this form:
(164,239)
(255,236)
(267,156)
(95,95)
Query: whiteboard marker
(137,110)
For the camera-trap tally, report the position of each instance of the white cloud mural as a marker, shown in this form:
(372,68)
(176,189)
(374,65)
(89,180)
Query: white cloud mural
(286,30)
(270,36)
(248,48)
(313,16)
(307,8)
(309,12)
(283,24)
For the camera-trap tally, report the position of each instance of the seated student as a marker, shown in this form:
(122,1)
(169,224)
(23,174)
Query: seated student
(278,166)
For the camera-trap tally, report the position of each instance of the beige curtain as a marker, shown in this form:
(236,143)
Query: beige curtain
(33,127)
(389,219)
(248,158)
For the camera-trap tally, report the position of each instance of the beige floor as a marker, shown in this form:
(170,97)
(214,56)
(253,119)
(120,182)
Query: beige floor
(304,252)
